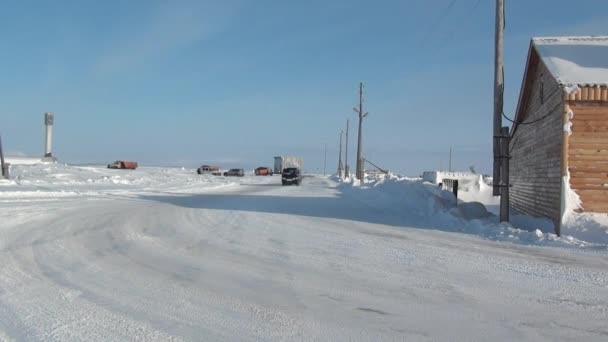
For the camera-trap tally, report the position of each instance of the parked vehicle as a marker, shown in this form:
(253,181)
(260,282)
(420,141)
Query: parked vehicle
(209,170)
(291,175)
(235,172)
(122,164)
(263,171)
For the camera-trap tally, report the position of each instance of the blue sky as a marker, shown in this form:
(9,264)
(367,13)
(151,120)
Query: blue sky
(236,82)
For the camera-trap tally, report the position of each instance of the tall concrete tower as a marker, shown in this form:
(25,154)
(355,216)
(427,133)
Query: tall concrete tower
(48,123)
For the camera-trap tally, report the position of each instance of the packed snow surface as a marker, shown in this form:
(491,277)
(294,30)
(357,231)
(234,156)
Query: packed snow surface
(159,254)
(575,60)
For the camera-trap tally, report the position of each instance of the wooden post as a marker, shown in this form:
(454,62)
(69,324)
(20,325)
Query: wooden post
(504,174)
(566,140)
(585,96)
(604,93)
(564,166)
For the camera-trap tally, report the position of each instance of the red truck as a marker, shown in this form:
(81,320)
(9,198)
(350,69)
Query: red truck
(263,171)
(122,164)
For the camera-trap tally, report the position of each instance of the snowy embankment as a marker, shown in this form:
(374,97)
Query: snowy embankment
(53,180)
(424,205)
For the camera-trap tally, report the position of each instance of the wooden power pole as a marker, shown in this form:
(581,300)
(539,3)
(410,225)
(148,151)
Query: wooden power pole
(500,134)
(340,156)
(346,167)
(360,162)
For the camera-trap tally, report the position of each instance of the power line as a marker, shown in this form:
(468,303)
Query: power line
(451,34)
(438,21)
(536,120)
(447,39)
(526,123)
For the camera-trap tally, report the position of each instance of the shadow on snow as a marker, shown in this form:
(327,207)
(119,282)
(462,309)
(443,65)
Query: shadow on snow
(341,206)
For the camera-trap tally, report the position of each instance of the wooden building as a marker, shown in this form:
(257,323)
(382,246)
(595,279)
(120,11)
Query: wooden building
(559,141)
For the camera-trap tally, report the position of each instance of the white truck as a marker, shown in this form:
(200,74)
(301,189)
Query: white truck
(283,162)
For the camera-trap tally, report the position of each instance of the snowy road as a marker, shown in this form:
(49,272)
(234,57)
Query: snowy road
(257,261)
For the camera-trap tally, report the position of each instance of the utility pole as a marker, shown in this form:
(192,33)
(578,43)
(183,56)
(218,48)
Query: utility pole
(500,134)
(325,160)
(346,167)
(340,156)
(450,168)
(359,142)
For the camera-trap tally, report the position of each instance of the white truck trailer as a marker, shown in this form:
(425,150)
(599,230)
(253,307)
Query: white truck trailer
(283,162)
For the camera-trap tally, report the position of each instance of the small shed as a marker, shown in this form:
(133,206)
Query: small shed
(559,138)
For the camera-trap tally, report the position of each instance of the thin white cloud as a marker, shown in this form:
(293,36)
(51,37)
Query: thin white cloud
(169,27)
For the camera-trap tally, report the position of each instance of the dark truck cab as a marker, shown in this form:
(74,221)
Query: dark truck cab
(291,175)
(234,172)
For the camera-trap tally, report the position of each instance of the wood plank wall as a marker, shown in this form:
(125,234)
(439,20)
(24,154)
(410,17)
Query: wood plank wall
(536,149)
(588,148)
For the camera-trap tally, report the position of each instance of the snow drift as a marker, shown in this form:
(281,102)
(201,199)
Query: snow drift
(423,205)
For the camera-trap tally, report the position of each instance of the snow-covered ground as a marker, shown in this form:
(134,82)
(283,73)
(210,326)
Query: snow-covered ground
(88,253)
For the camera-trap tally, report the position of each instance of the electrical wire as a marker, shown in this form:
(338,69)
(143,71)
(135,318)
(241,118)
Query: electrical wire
(448,38)
(525,123)
(438,21)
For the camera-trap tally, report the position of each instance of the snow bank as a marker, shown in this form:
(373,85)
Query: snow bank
(571,202)
(47,180)
(471,187)
(424,205)
(587,227)
(20,160)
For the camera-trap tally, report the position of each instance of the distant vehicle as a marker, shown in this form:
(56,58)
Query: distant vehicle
(234,172)
(263,171)
(284,162)
(122,164)
(291,175)
(209,170)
